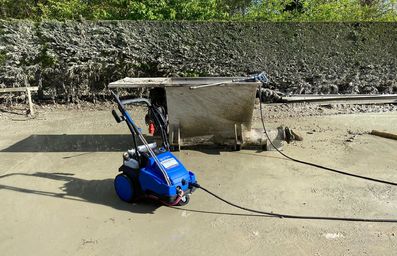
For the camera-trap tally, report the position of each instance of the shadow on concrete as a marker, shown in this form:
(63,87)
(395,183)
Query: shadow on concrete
(73,143)
(90,191)
(92,143)
(100,192)
(207,149)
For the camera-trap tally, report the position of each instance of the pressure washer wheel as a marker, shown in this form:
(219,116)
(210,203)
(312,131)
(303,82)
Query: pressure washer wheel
(184,200)
(124,187)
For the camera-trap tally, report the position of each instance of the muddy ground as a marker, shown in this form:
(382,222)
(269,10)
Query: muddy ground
(57,196)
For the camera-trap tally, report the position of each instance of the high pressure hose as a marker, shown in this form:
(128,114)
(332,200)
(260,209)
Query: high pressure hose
(289,216)
(264,80)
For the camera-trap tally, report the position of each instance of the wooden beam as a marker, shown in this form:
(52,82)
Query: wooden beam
(384,134)
(23,89)
(153,82)
(129,82)
(19,89)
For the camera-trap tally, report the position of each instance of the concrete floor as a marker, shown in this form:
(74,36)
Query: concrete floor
(57,197)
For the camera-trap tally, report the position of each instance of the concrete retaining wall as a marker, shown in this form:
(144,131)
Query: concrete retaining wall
(73,60)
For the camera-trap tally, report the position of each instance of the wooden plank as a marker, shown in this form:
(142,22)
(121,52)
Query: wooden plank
(23,89)
(19,89)
(130,82)
(384,134)
(152,82)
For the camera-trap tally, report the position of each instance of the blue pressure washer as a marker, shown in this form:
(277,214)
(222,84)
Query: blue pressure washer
(149,171)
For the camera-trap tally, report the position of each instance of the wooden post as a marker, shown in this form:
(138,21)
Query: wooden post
(30,102)
(27,90)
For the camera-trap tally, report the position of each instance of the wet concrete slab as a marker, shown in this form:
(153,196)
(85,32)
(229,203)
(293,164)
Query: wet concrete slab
(63,202)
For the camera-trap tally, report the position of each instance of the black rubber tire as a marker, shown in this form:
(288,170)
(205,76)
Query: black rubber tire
(184,201)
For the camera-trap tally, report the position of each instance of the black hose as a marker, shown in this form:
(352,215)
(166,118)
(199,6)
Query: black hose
(313,164)
(288,216)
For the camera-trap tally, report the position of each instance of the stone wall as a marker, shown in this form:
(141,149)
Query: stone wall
(71,60)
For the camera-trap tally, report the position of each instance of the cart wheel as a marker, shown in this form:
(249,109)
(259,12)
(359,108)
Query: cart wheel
(124,187)
(184,200)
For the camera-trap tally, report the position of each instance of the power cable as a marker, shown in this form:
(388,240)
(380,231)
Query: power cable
(289,216)
(263,78)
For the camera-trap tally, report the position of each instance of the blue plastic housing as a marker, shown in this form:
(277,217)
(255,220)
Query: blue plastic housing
(152,180)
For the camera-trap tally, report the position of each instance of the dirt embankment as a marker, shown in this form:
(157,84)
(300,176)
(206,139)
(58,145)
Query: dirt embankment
(76,60)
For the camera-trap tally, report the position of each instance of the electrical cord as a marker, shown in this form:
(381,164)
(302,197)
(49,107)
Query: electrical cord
(308,163)
(263,78)
(289,216)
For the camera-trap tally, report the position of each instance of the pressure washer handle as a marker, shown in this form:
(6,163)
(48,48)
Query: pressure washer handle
(116,116)
(125,116)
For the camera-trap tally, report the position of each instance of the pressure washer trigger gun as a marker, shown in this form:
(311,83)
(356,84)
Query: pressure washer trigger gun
(261,77)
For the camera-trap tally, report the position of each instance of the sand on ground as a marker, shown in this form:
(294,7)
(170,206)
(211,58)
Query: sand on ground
(57,196)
